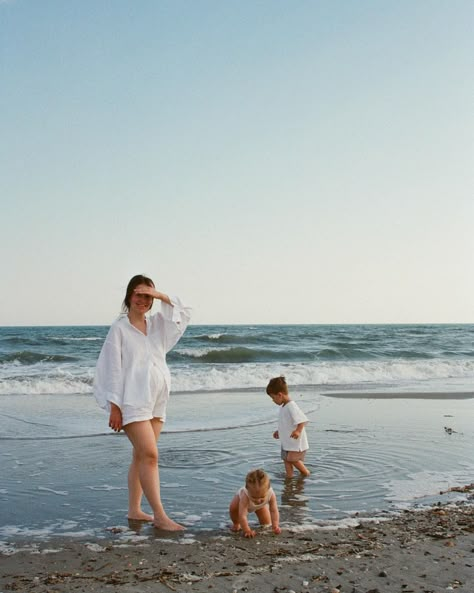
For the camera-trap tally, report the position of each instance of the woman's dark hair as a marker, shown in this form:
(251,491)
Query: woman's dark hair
(134,282)
(277,385)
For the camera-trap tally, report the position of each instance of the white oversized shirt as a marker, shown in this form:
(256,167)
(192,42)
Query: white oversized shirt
(129,359)
(289,417)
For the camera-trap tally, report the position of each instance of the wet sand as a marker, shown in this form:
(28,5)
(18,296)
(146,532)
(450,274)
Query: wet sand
(417,551)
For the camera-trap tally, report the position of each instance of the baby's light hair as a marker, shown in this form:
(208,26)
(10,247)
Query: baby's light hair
(258,478)
(277,385)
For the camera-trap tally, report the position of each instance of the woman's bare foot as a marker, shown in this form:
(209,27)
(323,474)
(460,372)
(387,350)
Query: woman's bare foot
(167,524)
(140,516)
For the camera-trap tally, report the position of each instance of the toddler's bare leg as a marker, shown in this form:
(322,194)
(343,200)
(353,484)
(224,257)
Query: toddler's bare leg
(234,513)
(288,469)
(264,516)
(301,467)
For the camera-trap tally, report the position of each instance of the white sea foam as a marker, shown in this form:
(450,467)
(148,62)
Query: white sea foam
(95,547)
(58,492)
(11,531)
(191,519)
(44,386)
(425,483)
(106,487)
(216,377)
(333,525)
(255,375)
(7,549)
(77,339)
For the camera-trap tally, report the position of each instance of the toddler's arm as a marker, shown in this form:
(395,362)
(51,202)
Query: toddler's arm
(276,435)
(274,514)
(243,514)
(297,432)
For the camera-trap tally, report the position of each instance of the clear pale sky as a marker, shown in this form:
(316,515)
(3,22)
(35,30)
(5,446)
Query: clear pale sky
(269,161)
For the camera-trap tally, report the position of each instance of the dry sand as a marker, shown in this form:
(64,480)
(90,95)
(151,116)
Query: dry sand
(427,551)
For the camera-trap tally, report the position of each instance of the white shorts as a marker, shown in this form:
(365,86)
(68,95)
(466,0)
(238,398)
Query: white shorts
(132,414)
(156,409)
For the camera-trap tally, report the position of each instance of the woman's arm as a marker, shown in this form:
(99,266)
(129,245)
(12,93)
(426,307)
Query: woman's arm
(115,418)
(156,294)
(108,380)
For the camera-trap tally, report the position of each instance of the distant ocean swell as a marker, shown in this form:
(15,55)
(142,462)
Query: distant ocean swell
(241,354)
(25,357)
(235,355)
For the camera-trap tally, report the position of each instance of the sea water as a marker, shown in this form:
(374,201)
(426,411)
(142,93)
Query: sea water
(391,414)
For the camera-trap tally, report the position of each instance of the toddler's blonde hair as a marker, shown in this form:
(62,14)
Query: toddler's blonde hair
(258,478)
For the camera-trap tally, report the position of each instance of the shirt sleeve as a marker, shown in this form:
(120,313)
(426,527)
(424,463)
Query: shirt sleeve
(173,320)
(108,382)
(297,415)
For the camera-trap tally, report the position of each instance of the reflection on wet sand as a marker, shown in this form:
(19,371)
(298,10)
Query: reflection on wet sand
(294,504)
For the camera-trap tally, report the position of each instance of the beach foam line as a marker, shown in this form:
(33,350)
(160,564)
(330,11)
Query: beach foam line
(59,438)
(401,395)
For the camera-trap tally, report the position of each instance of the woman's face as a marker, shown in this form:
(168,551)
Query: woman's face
(141,301)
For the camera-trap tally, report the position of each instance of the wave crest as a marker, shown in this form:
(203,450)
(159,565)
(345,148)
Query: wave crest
(27,357)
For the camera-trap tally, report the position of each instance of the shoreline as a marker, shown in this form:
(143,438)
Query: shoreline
(428,550)
(443,395)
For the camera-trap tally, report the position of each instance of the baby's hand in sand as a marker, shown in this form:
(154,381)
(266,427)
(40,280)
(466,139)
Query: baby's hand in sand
(276,530)
(276,435)
(249,533)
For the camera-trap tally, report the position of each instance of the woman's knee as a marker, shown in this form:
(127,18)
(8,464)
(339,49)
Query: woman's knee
(146,455)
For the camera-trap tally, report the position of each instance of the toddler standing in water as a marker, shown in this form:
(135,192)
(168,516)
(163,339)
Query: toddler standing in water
(257,497)
(291,428)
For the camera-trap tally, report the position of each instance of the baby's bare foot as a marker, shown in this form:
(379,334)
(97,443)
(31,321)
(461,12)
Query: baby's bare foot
(235,527)
(140,516)
(168,524)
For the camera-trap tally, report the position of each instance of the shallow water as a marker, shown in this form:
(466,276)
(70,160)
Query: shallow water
(378,398)
(63,472)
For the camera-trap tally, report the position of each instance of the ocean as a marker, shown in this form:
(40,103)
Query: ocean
(391,410)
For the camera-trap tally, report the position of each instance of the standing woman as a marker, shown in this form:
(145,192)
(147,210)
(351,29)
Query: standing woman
(132,382)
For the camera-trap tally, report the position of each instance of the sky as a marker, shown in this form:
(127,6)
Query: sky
(268,161)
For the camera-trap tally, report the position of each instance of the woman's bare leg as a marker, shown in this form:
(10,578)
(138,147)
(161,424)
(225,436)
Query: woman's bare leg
(135,493)
(143,436)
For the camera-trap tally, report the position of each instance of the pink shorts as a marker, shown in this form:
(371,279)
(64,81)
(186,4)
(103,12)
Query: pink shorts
(293,455)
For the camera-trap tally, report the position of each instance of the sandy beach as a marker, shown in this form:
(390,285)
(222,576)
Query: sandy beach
(429,551)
